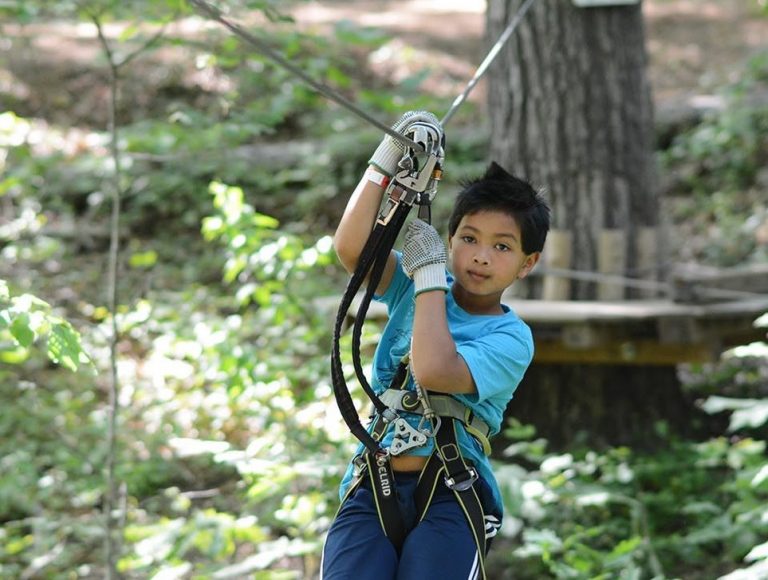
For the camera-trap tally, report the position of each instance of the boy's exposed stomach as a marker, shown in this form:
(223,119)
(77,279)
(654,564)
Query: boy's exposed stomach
(408,462)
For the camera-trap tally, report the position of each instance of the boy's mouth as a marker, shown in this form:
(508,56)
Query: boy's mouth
(474,275)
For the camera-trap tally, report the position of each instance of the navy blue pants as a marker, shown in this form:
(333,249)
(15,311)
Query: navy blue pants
(440,546)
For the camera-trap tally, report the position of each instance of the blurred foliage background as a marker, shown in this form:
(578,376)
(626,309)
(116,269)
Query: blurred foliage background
(231,175)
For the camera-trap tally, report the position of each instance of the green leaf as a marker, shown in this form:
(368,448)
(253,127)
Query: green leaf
(64,346)
(262,295)
(14,356)
(22,331)
(626,546)
(8,184)
(759,552)
(752,417)
(143,259)
(128,33)
(264,221)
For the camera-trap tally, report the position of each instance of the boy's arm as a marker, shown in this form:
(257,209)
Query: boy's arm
(356,225)
(434,359)
(363,206)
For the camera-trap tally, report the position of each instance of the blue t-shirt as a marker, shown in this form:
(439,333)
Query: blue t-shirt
(496,348)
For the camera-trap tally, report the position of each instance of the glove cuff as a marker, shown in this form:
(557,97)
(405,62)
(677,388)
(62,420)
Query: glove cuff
(430,277)
(386,157)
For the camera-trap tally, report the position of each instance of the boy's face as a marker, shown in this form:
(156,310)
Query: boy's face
(486,257)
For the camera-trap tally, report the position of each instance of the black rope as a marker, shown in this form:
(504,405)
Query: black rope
(373,282)
(372,259)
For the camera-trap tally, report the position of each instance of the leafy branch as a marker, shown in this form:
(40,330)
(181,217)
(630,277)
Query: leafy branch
(27,319)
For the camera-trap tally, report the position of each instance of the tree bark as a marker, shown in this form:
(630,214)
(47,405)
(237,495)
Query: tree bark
(570,110)
(603,406)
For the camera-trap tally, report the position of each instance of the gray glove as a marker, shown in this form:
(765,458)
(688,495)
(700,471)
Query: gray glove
(390,150)
(424,257)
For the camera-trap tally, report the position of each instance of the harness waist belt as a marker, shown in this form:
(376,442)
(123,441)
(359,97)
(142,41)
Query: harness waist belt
(442,405)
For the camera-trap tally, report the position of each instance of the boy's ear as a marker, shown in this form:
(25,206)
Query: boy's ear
(530,261)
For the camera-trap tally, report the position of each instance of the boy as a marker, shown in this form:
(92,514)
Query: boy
(465,347)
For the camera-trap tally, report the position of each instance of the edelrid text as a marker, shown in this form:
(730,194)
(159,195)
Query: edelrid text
(381,467)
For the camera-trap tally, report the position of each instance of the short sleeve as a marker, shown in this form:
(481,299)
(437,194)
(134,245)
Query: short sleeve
(399,287)
(498,361)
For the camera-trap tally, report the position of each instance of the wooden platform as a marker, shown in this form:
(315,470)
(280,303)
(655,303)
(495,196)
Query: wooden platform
(639,332)
(652,332)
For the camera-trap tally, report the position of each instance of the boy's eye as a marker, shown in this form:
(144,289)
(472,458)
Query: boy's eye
(502,247)
(467,239)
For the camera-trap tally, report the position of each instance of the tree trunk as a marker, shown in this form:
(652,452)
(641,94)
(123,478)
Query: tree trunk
(570,110)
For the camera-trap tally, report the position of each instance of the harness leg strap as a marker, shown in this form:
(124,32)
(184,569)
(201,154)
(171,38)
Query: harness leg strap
(459,477)
(385,496)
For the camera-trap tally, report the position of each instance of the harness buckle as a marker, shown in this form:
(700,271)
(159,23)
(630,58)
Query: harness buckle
(462,481)
(396,193)
(389,415)
(359,466)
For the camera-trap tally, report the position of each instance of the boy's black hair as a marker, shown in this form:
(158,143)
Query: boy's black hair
(498,190)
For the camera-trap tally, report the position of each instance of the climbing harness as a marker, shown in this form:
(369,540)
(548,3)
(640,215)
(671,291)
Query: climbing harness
(446,464)
(415,183)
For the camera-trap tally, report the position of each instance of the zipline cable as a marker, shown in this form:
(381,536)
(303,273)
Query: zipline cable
(667,288)
(325,90)
(485,65)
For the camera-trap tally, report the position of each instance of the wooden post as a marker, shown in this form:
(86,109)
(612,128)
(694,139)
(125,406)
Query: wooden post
(647,259)
(557,254)
(611,261)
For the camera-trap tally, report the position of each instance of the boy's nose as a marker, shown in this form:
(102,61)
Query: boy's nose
(481,258)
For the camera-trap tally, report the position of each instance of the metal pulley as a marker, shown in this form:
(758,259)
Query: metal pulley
(419,171)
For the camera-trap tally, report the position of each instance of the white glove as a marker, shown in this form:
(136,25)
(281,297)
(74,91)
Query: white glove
(390,150)
(424,257)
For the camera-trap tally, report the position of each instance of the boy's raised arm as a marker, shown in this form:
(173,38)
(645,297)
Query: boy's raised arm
(361,211)
(357,220)
(434,359)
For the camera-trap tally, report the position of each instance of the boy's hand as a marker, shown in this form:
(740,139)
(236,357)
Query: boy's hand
(424,257)
(390,150)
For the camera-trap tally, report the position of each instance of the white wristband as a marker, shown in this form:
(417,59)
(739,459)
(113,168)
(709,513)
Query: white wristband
(375,177)
(430,277)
